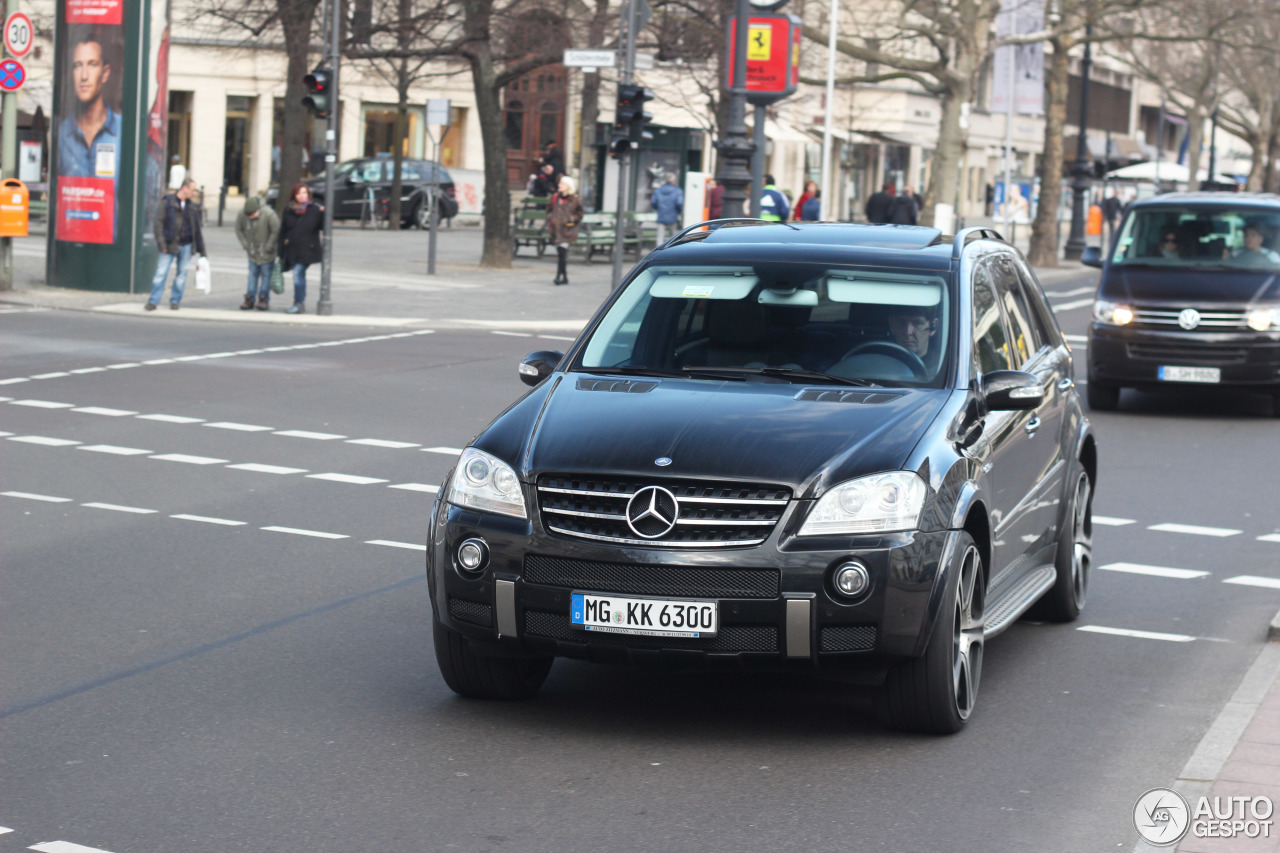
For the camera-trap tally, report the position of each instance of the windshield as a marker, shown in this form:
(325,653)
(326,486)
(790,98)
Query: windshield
(1199,236)
(793,322)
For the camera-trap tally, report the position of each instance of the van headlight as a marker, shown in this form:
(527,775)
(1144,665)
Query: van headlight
(1111,313)
(875,504)
(486,483)
(1261,319)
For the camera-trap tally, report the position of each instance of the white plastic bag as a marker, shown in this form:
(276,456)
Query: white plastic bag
(204,275)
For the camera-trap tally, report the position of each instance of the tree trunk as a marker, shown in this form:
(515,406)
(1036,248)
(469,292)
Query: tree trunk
(397,144)
(1043,251)
(1195,138)
(295,19)
(944,178)
(484,78)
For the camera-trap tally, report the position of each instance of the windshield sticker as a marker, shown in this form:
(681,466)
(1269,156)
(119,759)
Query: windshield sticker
(698,290)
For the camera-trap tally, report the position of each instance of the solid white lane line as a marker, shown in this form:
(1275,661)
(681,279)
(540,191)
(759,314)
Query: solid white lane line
(378,442)
(452,451)
(416,487)
(513,334)
(346,478)
(14,381)
(267,469)
(1270,537)
(64,847)
(1141,635)
(1154,571)
(316,533)
(1194,530)
(42,404)
(118,451)
(1071,306)
(30,497)
(99,410)
(409,545)
(302,433)
(118,508)
(239,427)
(207,520)
(191,460)
(44,440)
(54,375)
(171,419)
(1112,522)
(1254,580)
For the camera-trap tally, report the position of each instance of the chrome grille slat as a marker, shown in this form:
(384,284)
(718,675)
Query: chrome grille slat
(1209,318)
(651,543)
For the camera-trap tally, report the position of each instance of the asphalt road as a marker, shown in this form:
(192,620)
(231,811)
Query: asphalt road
(215,628)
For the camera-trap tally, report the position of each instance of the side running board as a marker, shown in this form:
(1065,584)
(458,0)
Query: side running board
(1016,601)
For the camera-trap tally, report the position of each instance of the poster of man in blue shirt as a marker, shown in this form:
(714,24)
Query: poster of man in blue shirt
(89,139)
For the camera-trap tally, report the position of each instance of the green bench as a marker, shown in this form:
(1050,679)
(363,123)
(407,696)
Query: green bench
(599,234)
(38,209)
(529,228)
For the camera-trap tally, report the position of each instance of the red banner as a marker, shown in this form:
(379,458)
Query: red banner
(95,12)
(86,210)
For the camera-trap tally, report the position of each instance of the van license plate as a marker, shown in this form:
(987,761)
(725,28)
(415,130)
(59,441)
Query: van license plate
(650,617)
(1189,374)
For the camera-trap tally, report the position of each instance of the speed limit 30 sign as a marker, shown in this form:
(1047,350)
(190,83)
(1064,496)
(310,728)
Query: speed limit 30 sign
(19,35)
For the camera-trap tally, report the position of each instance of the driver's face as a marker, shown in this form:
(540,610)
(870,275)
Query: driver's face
(912,331)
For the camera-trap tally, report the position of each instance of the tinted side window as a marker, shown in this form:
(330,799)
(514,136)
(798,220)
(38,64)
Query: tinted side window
(1042,314)
(1025,336)
(991,347)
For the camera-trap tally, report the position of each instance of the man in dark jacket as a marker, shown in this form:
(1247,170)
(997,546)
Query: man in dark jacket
(178,235)
(903,210)
(878,205)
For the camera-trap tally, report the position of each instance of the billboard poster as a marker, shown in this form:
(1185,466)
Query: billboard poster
(1019,17)
(90,126)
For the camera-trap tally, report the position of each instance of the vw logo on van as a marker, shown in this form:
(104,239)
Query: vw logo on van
(1189,318)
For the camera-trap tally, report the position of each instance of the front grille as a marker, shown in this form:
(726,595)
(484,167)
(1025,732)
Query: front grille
(471,611)
(731,638)
(652,580)
(1216,320)
(847,638)
(706,515)
(1187,352)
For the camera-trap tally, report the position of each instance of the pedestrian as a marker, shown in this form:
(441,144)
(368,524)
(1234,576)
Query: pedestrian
(1110,210)
(300,245)
(903,209)
(812,208)
(715,199)
(773,204)
(178,236)
(545,182)
(810,190)
(553,158)
(877,207)
(258,230)
(564,215)
(668,201)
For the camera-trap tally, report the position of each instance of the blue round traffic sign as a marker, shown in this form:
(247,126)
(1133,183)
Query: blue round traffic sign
(12,75)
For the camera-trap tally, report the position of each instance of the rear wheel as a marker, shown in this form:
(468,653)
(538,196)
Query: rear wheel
(479,677)
(936,692)
(1066,598)
(1103,396)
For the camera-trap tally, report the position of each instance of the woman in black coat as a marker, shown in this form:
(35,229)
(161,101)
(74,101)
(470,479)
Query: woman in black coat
(300,244)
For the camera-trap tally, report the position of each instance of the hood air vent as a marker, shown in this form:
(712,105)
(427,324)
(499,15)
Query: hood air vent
(626,386)
(828,395)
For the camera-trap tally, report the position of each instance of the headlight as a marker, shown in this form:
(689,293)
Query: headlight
(1261,319)
(485,483)
(874,504)
(1111,313)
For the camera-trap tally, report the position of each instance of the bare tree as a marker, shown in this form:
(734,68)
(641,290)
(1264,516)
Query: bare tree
(1251,108)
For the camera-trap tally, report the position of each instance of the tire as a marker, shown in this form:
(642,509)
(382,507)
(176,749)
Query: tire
(1102,396)
(936,692)
(1066,598)
(479,677)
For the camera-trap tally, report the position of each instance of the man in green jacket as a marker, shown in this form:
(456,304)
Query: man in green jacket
(258,228)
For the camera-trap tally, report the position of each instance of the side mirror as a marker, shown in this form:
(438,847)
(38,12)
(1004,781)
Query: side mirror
(537,366)
(1092,257)
(1011,390)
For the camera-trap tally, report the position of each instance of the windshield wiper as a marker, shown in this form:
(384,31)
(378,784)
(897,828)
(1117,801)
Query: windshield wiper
(780,372)
(630,370)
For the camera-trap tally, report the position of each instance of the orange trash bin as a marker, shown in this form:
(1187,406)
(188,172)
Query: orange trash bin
(1093,227)
(14,208)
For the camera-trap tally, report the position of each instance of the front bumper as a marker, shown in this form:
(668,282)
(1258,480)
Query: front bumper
(1131,356)
(778,606)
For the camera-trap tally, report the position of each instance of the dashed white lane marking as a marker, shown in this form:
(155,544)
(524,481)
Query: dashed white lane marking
(44,440)
(1254,580)
(452,451)
(1154,571)
(4,829)
(1141,635)
(30,497)
(209,520)
(42,404)
(319,534)
(1112,522)
(378,442)
(5,434)
(99,410)
(53,375)
(416,487)
(159,361)
(302,433)
(171,419)
(267,469)
(113,449)
(513,334)
(1270,537)
(409,545)
(1194,530)
(347,478)
(64,847)
(239,427)
(125,365)
(191,460)
(118,508)
(89,370)
(556,338)
(1071,306)
(14,381)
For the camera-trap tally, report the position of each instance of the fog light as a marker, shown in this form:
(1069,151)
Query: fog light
(852,579)
(473,555)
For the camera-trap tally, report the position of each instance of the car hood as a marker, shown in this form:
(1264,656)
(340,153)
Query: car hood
(777,433)
(1183,286)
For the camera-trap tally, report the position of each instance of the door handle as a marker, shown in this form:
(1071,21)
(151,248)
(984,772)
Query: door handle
(1065,384)
(1032,426)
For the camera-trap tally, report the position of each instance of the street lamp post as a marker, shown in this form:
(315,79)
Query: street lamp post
(1083,166)
(735,149)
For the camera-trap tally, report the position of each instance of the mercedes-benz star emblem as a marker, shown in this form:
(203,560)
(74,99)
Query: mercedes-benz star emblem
(652,512)
(662,461)
(1189,318)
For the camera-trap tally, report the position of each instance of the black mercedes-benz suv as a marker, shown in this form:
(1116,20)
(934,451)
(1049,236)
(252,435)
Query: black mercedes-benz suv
(853,450)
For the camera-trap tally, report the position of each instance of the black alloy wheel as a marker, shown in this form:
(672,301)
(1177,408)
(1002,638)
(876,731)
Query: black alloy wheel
(1074,563)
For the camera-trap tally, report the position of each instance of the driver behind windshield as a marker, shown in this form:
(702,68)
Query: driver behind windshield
(913,328)
(1253,251)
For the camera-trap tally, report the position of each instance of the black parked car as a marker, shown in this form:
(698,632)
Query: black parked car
(354,178)
(1190,295)
(847,449)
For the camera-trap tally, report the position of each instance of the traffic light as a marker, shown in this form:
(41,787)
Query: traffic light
(631,120)
(319,84)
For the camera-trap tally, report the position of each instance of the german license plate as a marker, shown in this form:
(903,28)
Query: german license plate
(649,617)
(1189,374)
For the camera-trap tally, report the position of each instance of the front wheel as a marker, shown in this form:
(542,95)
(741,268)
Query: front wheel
(936,693)
(479,677)
(1065,599)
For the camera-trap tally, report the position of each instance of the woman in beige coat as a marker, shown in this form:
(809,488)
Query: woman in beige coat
(564,214)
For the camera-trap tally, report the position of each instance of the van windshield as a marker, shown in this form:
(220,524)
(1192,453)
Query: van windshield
(1244,237)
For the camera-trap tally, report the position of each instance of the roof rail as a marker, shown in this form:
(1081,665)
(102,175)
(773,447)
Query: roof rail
(967,235)
(740,220)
